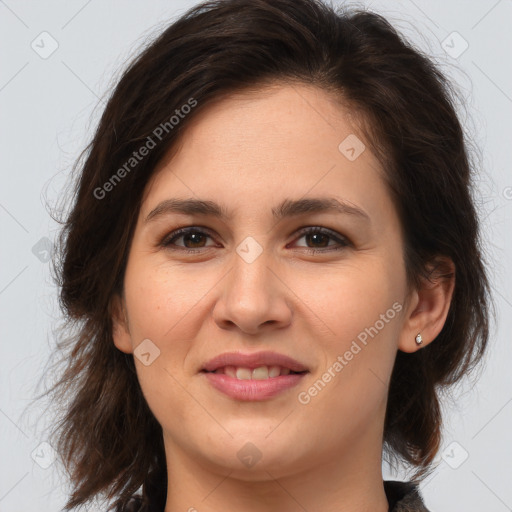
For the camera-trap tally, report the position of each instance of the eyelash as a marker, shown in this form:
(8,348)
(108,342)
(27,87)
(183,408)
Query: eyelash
(172,237)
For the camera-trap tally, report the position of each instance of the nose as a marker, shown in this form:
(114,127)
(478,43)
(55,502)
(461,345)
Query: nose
(254,297)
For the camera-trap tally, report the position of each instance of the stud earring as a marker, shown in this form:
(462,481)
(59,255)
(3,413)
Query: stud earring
(419,339)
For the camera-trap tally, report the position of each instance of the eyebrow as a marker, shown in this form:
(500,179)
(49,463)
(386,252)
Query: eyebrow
(288,208)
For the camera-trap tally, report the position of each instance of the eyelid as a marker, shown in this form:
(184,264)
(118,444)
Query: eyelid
(324,231)
(179,232)
(342,240)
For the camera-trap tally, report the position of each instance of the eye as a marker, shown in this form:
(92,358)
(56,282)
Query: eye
(194,239)
(193,236)
(320,236)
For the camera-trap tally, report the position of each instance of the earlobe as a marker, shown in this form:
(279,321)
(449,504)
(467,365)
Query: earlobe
(428,311)
(120,329)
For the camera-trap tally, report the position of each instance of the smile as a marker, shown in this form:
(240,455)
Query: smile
(260,373)
(258,384)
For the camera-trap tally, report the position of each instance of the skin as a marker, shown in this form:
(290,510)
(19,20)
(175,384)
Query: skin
(248,152)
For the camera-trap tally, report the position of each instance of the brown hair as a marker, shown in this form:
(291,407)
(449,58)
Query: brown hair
(107,436)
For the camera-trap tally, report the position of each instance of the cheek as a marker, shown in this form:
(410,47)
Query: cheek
(350,386)
(351,298)
(161,301)
(160,297)
(363,313)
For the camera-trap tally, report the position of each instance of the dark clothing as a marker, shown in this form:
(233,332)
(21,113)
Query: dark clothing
(402,497)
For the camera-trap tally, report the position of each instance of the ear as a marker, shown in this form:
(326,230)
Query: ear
(428,306)
(120,328)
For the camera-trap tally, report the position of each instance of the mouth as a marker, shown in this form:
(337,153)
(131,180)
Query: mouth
(259,373)
(256,365)
(253,377)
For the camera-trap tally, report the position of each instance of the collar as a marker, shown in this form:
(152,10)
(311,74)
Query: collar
(401,496)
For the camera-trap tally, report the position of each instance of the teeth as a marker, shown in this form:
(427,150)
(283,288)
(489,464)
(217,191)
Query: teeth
(260,373)
(230,371)
(274,371)
(243,373)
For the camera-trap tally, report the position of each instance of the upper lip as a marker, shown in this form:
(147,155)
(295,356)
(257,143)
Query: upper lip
(253,360)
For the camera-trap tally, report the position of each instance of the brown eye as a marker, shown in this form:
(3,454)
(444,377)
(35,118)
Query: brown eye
(319,238)
(193,238)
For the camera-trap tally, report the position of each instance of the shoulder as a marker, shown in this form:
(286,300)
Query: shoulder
(134,504)
(404,497)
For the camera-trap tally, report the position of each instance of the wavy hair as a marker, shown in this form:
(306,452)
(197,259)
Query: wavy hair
(107,437)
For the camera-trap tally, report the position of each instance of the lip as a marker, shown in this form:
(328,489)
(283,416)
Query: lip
(253,390)
(254,360)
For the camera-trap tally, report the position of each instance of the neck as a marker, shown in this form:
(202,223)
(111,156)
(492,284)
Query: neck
(351,481)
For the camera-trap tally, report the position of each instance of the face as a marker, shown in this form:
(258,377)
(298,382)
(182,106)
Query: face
(324,286)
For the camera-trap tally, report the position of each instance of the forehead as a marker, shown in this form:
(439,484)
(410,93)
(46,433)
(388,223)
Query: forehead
(259,119)
(256,144)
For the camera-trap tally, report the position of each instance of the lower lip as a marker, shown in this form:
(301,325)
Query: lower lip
(253,390)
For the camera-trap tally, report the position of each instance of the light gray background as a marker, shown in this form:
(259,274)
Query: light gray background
(49,108)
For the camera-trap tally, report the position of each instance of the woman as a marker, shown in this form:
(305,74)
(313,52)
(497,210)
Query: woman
(273,264)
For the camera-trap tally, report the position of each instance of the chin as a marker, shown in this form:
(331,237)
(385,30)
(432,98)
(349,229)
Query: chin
(252,456)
